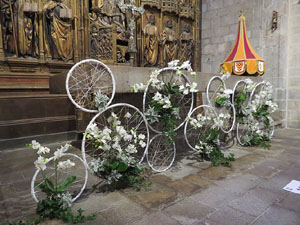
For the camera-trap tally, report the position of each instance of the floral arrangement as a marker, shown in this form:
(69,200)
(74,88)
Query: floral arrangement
(100,100)
(58,201)
(208,141)
(117,148)
(164,106)
(240,99)
(257,118)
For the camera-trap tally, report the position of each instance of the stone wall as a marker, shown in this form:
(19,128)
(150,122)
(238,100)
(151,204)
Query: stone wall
(293,91)
(219,30)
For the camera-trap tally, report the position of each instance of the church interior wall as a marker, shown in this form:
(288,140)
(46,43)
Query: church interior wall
(279,47)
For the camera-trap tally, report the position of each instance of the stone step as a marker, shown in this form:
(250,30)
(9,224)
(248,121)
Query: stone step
(25,115)
(45,139)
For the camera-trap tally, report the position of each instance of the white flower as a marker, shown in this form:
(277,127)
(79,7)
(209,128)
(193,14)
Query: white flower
(121,131)
(131,149)
(193,74)
(35,145)
(173,63)
(186,66)
(186,91)
(106,131)
(142,144)
(106,147)
(128,115)
(127,137)
(138,87)
(193,87)
(167,103)
(58,153)
(225,76)
(93,129)
(62,165)
(157,97)
(141,136)
(117,147)
(43,150)
(228,91)
(40,163)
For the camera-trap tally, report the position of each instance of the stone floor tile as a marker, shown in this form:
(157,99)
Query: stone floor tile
(215,173)
(278,216)
(98,202)
(255,202)
(188,211)
(125,212)
(291,202)
(154,198)
(241,183)
(228,216)
(269,168)
(215,196)
(180,186)
(155,218)
(198,180)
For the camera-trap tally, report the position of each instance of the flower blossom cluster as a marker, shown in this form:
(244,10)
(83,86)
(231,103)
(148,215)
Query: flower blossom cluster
(101,100)
(117,144)
(223,97)
(41,162)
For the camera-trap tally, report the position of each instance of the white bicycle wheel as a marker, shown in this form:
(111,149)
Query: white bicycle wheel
(130,118)
(229,119)
(184,102)
(75,189)
(256,90)
(86,80)
(195,134)
(213,88)
(242,132)
(161,153)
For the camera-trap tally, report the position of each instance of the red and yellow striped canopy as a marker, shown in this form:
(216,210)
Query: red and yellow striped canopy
(243,60)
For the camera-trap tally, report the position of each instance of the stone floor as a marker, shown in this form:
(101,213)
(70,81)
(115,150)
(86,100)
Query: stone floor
(190,193)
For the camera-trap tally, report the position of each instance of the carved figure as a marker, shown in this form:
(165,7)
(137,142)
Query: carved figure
(9,19)
(58,31)
(110,13)
(186,44)
(151,40)
(169,43)
(28,31)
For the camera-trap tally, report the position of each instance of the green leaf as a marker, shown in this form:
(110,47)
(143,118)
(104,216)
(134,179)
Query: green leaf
(122,167)
(49,184)
(67,182)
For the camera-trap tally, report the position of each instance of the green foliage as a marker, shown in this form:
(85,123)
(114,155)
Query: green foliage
(51,208)
(220,101)
(217,158)
(211,150)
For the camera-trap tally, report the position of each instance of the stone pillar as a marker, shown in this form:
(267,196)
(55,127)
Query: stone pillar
(197,35)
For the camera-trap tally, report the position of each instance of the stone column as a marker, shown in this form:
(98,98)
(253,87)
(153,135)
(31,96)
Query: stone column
(197,35)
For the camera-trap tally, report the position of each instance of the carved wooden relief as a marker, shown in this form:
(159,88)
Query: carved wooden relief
(44,37)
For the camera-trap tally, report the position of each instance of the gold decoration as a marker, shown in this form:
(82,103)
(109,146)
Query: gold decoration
(151,40)
(58,32)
